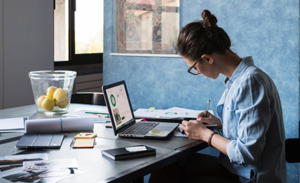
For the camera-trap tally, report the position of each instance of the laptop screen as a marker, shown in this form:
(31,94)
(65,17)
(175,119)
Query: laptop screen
(119,105)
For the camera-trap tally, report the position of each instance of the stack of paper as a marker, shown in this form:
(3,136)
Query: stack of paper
(172,113)
(87,113)
(12,124)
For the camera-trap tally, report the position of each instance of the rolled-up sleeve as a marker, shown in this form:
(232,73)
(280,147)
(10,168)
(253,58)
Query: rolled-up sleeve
(252,109)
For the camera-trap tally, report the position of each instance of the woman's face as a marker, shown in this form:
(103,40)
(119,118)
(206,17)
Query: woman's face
(205,66)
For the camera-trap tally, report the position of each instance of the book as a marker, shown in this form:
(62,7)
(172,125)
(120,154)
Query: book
(129,152)
(85,136)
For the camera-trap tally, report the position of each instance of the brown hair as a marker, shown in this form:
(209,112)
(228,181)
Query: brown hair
(202,37)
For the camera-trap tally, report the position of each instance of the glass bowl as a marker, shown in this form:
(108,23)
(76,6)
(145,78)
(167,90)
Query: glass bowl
(52,90)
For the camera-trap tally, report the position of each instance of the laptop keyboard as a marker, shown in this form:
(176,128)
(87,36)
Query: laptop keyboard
(140,128)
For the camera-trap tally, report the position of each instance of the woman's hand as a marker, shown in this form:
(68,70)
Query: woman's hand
(209,119)
(195,130)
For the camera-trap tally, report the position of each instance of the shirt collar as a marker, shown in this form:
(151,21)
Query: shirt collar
(243,65)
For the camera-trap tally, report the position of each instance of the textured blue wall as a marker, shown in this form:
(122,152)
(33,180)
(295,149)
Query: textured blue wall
(265,29)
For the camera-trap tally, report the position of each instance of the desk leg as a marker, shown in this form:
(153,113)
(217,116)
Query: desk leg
(139,180)
(182,169)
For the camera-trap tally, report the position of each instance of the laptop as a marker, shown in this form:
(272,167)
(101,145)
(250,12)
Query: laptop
(122,117)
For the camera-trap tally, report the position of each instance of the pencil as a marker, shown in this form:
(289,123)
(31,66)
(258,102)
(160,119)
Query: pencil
(208,102)
(96,113)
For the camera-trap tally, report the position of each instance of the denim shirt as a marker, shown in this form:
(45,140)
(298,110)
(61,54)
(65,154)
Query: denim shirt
(251,116)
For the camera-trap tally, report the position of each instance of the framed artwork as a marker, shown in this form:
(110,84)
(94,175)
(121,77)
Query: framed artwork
(147,26)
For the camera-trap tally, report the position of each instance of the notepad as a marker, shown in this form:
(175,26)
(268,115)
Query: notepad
(84,143)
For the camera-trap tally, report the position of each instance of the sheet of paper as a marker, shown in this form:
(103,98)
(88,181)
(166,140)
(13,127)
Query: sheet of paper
(146,113)
(178,109)
(23,167)
(50,164)
(135,149)
(53,125)
(15,162)
(82,113)
(179,134)
(12,123)
(179,114)
(12,131)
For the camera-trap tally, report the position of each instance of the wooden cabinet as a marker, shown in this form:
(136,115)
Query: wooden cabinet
(26,44)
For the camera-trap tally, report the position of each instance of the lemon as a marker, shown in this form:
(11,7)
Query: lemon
(63,104)
(48,104)
(40,100)
(59,95)
(50,91)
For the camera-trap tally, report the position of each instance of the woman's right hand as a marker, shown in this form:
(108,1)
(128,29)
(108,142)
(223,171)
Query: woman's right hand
(209,119)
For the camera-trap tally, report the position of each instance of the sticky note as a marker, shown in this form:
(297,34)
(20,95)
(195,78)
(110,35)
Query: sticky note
(84,143)
(152,108)
(85,136)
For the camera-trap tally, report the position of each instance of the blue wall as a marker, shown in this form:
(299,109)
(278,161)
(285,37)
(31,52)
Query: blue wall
(268,30)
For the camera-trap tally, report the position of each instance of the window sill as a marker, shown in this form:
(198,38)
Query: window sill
(144,55)
(83,69)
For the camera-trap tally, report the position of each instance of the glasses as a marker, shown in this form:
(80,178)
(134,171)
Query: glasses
(193,70)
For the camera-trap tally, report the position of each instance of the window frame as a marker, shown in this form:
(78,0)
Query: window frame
(77,59)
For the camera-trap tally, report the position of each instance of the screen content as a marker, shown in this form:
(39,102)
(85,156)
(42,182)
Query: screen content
(118,102)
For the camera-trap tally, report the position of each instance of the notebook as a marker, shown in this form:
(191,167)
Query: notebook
(122,116)
(41,140)
(129,152)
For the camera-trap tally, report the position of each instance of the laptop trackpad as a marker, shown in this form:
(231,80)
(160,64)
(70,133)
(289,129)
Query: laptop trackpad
(169,127)
(166,126)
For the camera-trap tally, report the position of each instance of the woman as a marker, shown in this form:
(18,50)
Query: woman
(249,113)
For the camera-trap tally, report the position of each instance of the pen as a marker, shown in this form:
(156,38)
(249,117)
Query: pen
(208,102)
(96,113)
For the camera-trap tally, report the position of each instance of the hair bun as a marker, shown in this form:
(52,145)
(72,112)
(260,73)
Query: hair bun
(209,19)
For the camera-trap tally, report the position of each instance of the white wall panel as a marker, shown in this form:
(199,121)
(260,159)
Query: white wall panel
(28,46)
(1,55)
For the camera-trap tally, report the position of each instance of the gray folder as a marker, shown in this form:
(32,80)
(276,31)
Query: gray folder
(41,140)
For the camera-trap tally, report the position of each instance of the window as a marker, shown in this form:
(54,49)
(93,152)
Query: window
(78,32)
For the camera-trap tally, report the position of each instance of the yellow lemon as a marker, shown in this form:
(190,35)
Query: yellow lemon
(50,91)
(48,104)
(63,104)
(59,95)
(40,100)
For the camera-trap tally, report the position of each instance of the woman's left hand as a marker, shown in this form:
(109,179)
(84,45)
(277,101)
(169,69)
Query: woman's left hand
(195,130)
